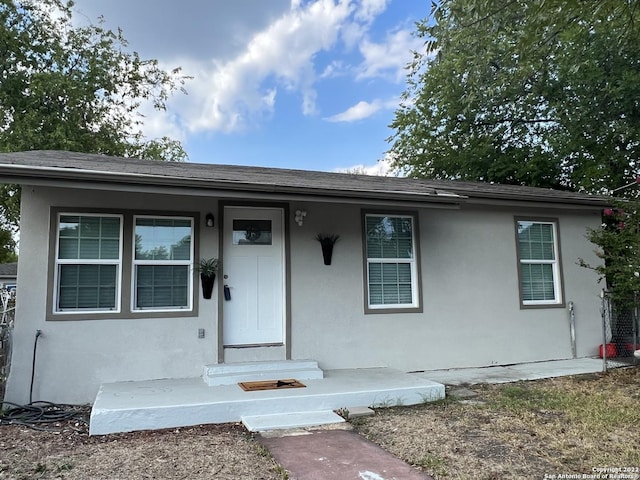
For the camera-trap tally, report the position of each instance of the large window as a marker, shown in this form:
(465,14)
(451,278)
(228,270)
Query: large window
(539,262)
(122,265)
(163,260)
(88,263)
(391,263)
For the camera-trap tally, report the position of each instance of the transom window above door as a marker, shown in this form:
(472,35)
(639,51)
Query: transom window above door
(252,232)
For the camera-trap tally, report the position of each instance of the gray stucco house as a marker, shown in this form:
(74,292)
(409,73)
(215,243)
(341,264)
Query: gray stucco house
(425,274)
(8,275)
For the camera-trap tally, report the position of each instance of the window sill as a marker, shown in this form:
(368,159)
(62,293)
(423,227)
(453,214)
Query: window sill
(533,306)
(374,311)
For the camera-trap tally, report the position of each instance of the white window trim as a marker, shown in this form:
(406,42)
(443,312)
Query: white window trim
(74,261)
(413,263)
(555,264)
(135,263)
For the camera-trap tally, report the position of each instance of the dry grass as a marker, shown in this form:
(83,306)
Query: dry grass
(522,430)
(204,452)
(567,425)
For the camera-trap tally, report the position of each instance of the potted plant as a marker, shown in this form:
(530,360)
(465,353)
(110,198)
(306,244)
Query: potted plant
(208,268)
(327,241)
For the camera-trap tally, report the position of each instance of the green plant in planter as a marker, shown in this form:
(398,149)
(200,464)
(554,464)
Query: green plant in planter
(327,241)
(208,267)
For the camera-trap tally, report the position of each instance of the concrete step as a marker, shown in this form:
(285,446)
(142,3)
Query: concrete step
(283,421)
(232,373)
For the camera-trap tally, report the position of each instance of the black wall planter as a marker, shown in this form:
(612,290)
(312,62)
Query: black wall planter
(327,240)
(207,285)
(327,253)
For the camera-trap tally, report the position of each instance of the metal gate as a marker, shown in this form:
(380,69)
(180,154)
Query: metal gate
(7,311)
(620,336)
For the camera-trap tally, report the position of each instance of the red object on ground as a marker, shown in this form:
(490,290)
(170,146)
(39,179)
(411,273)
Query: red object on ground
(610,351)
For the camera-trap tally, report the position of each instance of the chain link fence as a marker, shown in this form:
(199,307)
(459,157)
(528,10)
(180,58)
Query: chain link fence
(7,314)
(620,335)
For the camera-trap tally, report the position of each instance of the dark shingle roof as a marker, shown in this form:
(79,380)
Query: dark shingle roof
(54,166)
(8,269)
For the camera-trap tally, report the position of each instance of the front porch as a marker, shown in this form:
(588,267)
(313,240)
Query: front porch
(168,403)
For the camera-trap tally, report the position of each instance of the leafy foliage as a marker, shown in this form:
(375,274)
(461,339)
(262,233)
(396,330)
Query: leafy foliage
(74,88)
(619,240)
(207,266)
(543,93)
(7,247)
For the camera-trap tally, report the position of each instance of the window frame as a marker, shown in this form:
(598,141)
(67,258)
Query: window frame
(125,280)
(556,263)
(58,263)
(135,263)
(414,262)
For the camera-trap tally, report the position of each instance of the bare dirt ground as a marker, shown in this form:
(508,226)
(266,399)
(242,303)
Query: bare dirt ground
(526,430)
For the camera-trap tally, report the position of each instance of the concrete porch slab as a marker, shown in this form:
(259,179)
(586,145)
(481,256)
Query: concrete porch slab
(156,404)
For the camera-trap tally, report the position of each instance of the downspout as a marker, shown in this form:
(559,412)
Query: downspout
(572,329)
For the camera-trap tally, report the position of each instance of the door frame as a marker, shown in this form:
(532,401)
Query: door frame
(287,268)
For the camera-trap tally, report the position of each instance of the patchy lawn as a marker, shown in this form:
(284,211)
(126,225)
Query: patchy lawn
(222,452)
(564,426)
(570,425)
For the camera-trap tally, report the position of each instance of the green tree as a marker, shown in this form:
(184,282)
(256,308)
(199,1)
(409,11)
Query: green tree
(75,88)
(543,93)
(7,247)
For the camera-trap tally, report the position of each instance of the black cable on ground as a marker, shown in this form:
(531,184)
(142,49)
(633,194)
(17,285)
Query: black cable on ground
(42,415)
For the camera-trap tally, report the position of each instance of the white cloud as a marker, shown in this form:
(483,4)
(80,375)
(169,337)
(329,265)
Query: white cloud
(363,110)
(231,94)
(357,112)
(370,9)
(365,13)
(237,90)
(388,59)
(381,168)
(334,69)
(234,94)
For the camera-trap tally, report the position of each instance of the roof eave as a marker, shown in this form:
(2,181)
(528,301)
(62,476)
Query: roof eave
(110,180)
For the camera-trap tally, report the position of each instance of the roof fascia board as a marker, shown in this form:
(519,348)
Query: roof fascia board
(428,202)
(562,204)
(116,181)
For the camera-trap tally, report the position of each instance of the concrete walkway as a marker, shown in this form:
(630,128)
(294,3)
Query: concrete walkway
(513,373)
(336,454)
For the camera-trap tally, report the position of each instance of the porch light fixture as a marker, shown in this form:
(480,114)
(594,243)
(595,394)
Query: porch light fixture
(299,218)
(209,220)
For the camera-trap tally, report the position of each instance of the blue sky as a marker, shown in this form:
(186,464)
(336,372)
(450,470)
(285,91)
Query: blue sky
(310,84)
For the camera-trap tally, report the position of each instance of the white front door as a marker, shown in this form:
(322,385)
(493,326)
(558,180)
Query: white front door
(253,276)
